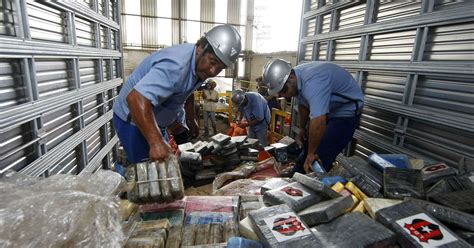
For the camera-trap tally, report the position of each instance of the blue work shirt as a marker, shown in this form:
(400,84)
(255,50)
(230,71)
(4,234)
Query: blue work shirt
(256,109)
(166,78)
(317,84)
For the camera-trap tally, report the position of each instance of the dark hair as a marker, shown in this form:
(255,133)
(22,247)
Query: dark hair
(202,42)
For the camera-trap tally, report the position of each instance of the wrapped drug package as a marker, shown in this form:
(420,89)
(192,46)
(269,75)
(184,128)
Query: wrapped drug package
(279,226)
(417,228)
(295,195)
(159,181)
(354,230)
(325,211)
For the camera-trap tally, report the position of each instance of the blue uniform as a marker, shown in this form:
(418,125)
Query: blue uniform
(257,109)
(326,88)
(166,78)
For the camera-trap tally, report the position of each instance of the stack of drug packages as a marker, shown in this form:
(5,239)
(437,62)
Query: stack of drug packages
(203,160)
(428,206)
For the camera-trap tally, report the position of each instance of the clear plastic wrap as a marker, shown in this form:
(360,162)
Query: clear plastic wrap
(159,181)
(295,195)
(249,203)
(60,211)
(315,185)
(240,187)
(433,173)
(279,226)
(354,230)
(400,183)
(203,228)
(241,172)
(417,228)
(372,205)
(274,183)
(325,211)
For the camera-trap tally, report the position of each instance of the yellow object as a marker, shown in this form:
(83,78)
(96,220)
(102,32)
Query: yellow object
(356,191)
(338,187)
(359,208)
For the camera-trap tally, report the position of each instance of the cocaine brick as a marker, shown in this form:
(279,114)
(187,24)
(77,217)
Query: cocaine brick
(357,166)
(279,226)
(369,187)
(273,183)
(460,200)
(200,147)
(315,185)
(372,205)
(417,228)
(400,183)
(155,192)
(287,141)
(433,173)
(239,140)
(186,147)
(354,230)
(281,152)
(325,211)
(247,229)
(295,195)
(447,215)
(220,139)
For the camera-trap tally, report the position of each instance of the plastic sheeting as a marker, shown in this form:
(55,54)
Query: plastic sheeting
(61,211)
(400,183)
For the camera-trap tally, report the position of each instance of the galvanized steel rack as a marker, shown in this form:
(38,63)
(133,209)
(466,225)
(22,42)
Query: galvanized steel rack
(60,71)
(415,63)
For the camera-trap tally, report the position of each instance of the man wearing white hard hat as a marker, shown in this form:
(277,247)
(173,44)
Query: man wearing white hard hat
(153,98)
(328,96)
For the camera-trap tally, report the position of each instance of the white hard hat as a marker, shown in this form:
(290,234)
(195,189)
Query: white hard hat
(225,42)
(275,74)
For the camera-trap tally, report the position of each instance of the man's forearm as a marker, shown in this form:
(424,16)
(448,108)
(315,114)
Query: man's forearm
(141,111)
(317,128)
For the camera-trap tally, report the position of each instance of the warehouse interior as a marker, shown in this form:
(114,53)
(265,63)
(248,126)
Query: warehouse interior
(404,178)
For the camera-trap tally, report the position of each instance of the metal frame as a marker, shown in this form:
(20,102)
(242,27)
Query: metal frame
(406,112)
(28,50)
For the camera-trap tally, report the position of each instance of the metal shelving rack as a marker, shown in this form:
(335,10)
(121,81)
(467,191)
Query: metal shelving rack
(60,71)
(414,62)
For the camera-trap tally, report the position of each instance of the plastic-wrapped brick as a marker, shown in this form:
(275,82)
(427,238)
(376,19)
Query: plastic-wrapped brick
(315,185)
(372,205)
(230,229)
(142,177)
(238,140)
(186,147)
(279,226)
(273,183)
(447,215)
(155,192)
(203,235)
(164,184)
(325,211)
(460,200)
(354,230)
(189,234)
(417,228)
(177,188)
(191,157)
(435,172)
(247,229)
(400,183)
(295,195)
(221,139)
(216,233)
(368,186)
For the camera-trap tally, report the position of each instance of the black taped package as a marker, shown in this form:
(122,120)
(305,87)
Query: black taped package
(400,183)
(435,172)
(315,185)
(279,226)
(354,230)
(358,166)
(447,215)
(369,187)
(417,228)
(460,200)
(295,195)
(325,211)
